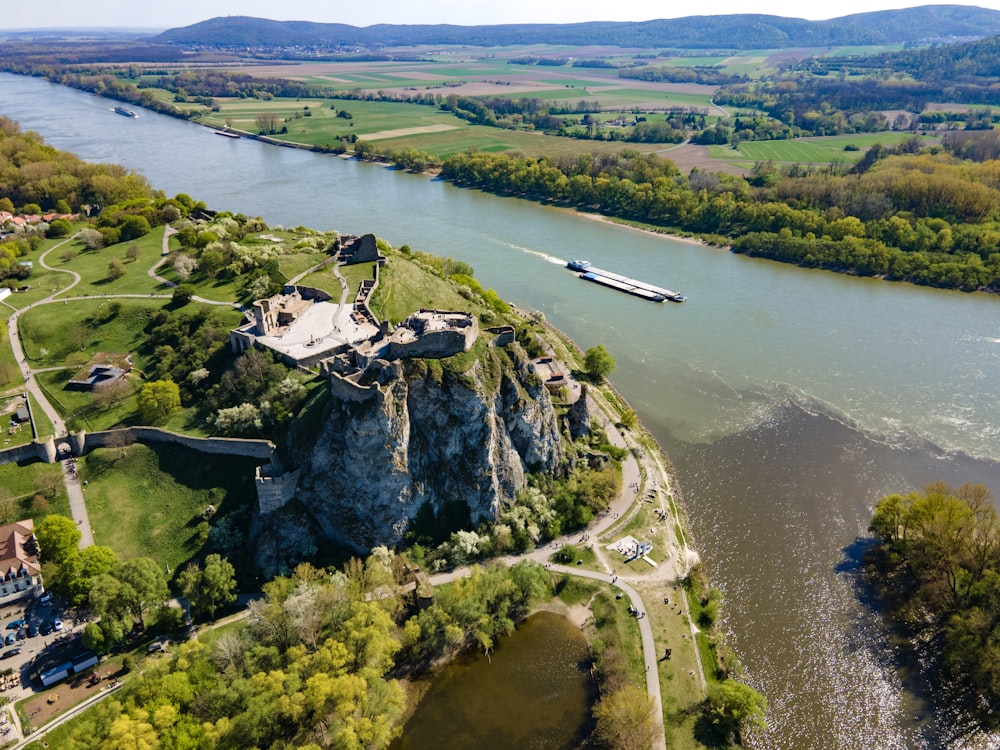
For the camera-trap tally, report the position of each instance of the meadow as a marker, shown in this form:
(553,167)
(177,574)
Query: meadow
(149,501)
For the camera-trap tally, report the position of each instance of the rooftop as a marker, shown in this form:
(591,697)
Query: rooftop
(17,548)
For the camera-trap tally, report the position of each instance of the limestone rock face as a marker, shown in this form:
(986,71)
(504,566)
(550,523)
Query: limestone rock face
(427,435)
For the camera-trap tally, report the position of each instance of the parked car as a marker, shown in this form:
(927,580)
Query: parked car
(15,624)
(32,631)
(11,639)
(45,599)
(9,653)
(57,625)
(45,629)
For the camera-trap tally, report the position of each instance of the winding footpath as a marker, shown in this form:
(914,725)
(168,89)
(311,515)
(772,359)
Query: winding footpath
(74,490)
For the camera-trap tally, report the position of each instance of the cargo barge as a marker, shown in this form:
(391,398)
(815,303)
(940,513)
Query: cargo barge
(623,283)
(227,134)
(125,112)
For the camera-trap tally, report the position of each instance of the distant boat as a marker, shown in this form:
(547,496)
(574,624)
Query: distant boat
(125,112)
(227,134)
(625,284)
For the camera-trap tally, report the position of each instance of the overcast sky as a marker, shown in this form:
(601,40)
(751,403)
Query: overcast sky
(164,15)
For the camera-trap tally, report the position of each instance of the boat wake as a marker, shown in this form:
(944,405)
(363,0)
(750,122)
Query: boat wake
(538,254)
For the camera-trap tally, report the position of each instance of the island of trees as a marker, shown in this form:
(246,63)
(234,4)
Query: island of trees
(937,567)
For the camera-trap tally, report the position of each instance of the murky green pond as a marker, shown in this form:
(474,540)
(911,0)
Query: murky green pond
(534,691)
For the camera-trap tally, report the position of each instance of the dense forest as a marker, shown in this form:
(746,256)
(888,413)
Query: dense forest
(938,566)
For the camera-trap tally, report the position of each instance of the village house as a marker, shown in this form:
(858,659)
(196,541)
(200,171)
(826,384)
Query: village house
(22,572)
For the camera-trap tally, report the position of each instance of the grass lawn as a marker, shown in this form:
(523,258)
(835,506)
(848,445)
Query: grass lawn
(355,274)
(92,265)
(10,374)
(680,689)
(815,150)
(149,502)
(402,291)
(70,333)
(79,408)
(19,483)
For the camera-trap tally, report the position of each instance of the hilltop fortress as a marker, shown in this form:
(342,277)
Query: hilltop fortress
(397,434)
(344,339)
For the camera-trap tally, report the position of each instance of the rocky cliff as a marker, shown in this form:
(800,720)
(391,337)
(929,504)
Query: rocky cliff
(428,432)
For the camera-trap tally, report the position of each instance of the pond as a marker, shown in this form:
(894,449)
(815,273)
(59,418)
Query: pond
(534,691)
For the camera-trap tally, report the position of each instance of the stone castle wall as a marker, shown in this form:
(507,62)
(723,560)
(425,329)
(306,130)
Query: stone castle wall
(262,449)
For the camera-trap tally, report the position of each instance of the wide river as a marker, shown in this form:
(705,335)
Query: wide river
(789,400)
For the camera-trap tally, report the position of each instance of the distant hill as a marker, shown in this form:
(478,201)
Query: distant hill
(744,31)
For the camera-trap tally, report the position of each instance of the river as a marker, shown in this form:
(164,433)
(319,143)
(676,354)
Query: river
(788,399)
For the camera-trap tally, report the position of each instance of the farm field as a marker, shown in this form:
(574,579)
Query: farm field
(810,150)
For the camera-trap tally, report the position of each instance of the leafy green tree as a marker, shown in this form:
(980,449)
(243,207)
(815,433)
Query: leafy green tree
(116,269)
(210,587)
(144,585)
(598,362)
(182,294)
(133,227)
(78,570)
(734,707)
(58,228)
(157,400)
(625,719)
(58,537)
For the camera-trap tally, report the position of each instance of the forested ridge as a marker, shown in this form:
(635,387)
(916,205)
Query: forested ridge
(938,566)
(737,31)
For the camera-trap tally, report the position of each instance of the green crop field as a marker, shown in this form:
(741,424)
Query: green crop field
(810,150)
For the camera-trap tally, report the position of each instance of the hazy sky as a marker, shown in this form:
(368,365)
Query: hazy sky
(164,15)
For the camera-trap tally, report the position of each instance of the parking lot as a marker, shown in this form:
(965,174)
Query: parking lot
(27,628)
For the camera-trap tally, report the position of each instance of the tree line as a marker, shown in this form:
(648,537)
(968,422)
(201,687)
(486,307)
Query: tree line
(902,215)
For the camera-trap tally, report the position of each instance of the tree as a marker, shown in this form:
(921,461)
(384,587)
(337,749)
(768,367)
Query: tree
(107,396)
(58,228)
(598,362)
(158,400)
(133,227)
(132,254)
(625,719)
(733,707)
(58,537)
(91,238)
(184,266)
(209,587)
(143,586)
(267,123)
(182,294)
(116,269)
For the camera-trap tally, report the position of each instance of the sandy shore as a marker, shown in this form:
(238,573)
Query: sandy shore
(654,232)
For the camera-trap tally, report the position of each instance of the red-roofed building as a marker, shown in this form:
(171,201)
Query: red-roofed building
(22,573)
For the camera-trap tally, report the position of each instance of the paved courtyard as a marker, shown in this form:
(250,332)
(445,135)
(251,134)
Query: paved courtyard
(321,327)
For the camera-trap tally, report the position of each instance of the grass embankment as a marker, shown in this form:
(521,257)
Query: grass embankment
(149,501)
(402,292)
